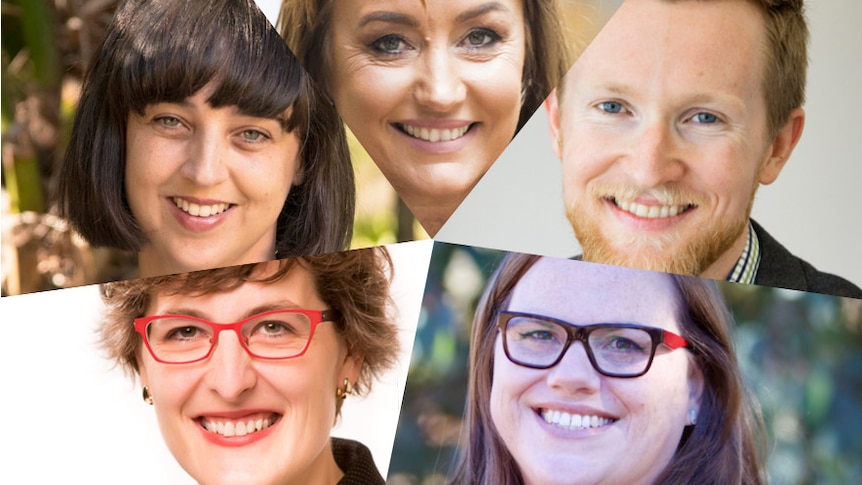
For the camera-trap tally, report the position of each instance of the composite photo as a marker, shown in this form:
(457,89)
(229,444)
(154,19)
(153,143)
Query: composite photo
(431,242)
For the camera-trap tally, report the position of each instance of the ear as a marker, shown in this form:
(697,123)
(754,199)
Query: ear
(695,386)
(552,105)
(782,146)
(351,367)
(142,370)
(299,170)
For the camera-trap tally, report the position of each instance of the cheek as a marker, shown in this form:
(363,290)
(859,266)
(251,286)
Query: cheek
(371,91)
(506,390)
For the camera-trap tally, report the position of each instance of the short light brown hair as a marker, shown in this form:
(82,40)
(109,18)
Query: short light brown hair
(786,59)
(722,448)
(305,26)
(786,63)
(356,283)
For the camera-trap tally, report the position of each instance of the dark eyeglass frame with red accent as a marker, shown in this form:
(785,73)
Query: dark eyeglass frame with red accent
(297,334)
(547,353)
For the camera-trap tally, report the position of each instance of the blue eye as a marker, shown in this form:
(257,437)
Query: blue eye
(481,38)
(390,44)
(705,118)
(611,107)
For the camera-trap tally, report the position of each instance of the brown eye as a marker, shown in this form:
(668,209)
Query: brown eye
(169,121)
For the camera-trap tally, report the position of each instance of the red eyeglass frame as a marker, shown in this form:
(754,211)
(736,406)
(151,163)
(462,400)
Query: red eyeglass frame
(315,316)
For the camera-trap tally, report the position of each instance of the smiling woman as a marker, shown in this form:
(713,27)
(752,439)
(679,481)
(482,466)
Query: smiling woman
(200,142)
(434,90)
(591,374)
(255,400)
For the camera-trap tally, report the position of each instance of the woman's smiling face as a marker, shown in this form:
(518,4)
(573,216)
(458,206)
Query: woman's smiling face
(291,403)
(431,88)
(633,425)
(207,184)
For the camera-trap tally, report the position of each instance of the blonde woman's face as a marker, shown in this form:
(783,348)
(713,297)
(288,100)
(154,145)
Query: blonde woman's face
(291,402)
(431,88)
(571,425)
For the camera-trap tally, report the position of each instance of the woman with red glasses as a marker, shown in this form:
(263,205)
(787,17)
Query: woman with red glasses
(592,374)
(247,367)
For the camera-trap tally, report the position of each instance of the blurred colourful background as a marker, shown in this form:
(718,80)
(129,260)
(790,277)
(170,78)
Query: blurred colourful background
(801,354)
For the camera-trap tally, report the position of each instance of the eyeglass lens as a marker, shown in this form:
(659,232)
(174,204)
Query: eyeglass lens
(274,335)
(617,350)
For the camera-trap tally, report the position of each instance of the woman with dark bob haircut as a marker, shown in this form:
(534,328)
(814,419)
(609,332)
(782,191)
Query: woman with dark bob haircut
(200,142)
(254,401)
(433,89)
(583,373)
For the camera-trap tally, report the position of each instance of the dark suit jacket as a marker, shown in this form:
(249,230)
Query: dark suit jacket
(780,268)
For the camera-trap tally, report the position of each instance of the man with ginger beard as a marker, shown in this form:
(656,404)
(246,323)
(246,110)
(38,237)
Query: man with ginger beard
(666,128)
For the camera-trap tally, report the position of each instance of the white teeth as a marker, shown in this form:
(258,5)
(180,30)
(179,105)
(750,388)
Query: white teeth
(574,421)
(198,210)
(434,135)
(650,211)
(241,428)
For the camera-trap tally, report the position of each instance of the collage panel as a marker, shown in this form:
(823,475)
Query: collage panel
(325,352)
(521,204)
(157,138)
(674,362)
(170,136)
(434,90)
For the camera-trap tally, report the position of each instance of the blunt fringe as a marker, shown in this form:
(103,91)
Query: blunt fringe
(166,51)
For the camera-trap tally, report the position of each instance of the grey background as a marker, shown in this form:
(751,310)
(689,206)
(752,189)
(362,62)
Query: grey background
(812,209)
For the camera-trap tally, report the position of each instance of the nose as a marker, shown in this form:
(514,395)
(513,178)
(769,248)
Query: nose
(230,373)
(205,162)
(656,155)
(574,373)
(439,85)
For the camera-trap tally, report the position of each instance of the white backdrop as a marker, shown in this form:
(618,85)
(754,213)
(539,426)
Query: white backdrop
(71,417)
(812,209)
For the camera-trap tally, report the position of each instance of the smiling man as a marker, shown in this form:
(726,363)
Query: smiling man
(668,124)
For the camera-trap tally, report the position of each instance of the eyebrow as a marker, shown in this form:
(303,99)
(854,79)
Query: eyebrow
(389,17)
(480,10)
(409,21)
(191,312)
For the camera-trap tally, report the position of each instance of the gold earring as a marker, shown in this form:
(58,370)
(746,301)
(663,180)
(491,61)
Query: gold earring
(344,390)
(148,398)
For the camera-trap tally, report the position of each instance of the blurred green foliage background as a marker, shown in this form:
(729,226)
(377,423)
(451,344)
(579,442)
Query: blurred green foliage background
(46,45)
(801,354)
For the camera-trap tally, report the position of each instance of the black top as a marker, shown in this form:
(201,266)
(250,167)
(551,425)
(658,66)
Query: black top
(356,462)
(780,268)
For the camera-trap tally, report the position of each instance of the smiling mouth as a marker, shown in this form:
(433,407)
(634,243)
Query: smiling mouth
(231,427)
(434,135)
(200,210)
(650,211)
(570,421)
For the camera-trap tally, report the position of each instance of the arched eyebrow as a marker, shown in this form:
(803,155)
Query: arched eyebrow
(409,21)
(480,10)
(389,17)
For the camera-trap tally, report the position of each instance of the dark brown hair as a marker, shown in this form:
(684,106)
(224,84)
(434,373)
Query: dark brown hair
(356,283)
(166,51)
(305,25)
(721,448)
